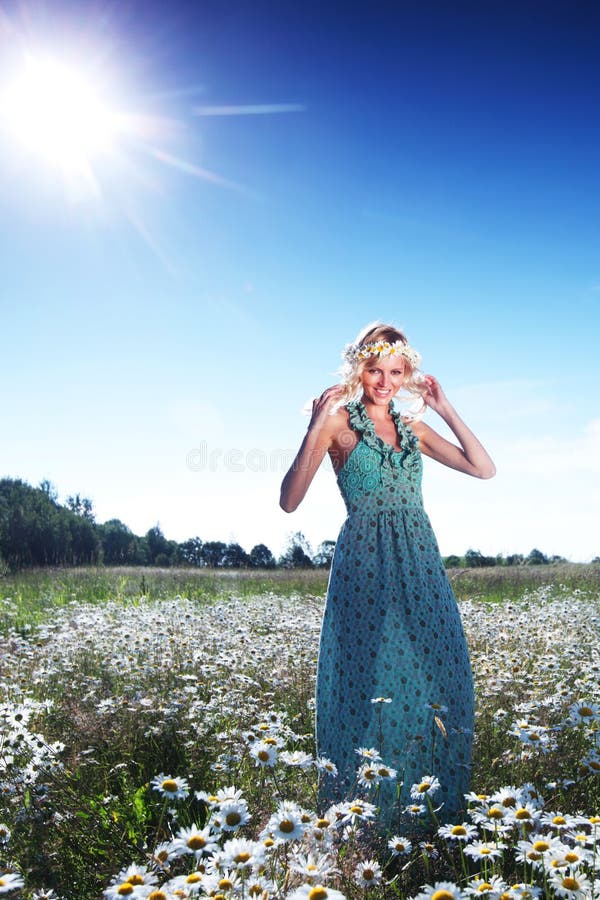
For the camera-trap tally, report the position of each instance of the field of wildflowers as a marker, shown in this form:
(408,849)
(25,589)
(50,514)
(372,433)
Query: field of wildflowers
(162,747)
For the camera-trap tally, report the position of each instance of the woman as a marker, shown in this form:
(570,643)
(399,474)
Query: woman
(391,629)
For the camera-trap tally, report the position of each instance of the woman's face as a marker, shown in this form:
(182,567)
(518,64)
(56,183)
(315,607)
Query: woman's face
(382,377)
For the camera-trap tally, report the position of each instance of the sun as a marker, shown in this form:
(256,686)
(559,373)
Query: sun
(57,115)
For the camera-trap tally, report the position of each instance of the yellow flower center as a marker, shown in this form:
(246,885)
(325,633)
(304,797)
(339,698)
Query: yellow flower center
(595,820)
(233,818)
(485,851)
(459,830)
(323,823)
(225,884)
(242,857)
(571,857)
(196,842)
(194,878)
(423,787)
(157,895)
(369,774)
(125,889)
(317,893)
(522,814)
(170,785)
(383,772)
(255,890)
(484,887)
(268,842)
(570,884)
(368,874)
(135,879)
(286,826)
(509,802)
(442,895)
(534,855)
(559,820)
(263,755)
(496,813)
(541,846)
(356,809)
(586,711)
(271,741)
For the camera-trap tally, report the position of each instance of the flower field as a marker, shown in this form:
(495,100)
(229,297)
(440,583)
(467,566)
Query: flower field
(164,747)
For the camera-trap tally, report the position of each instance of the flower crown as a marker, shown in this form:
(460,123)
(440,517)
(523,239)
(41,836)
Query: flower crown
(354,353)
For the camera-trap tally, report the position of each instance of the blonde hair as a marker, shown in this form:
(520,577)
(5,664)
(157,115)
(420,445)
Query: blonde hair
(353,367)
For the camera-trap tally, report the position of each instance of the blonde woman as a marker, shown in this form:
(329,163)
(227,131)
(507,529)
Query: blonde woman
(394,677)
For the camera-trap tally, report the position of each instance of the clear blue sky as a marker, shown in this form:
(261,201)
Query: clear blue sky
(431,164)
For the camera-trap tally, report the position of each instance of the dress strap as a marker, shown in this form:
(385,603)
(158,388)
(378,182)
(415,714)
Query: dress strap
(361,422)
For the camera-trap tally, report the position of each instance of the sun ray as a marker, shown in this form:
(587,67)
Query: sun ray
(252,109)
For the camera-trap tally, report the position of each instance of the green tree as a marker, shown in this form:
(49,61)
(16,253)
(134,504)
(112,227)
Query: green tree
(261,557)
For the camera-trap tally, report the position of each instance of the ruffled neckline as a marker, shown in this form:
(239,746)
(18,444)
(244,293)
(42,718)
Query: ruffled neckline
(361,422)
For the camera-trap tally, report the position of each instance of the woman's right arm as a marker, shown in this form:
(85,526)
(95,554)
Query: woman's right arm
(316,443)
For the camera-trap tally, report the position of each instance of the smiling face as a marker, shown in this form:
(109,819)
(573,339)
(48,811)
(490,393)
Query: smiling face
(382,378)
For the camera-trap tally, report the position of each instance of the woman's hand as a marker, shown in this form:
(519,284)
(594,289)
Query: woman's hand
(433,395)
(322,406)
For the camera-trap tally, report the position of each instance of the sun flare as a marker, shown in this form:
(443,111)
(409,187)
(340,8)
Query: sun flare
(57,114)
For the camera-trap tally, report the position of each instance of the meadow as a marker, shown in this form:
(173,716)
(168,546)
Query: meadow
(157,740)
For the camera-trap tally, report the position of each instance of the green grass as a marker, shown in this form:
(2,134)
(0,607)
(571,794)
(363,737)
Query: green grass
(35,594)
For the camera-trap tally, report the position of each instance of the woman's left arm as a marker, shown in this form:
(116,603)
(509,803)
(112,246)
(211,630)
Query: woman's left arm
(470,456)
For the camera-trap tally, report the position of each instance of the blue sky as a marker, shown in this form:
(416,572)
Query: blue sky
(430,164)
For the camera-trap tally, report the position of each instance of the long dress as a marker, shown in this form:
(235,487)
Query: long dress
(392,630)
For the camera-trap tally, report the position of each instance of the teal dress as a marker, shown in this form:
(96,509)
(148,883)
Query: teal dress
(392,629)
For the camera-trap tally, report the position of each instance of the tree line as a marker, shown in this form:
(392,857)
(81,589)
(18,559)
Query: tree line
(36,530)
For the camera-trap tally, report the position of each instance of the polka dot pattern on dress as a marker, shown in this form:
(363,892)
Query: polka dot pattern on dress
(392,629)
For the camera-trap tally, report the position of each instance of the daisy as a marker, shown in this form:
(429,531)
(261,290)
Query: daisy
(4,833)
(368,753)
(508,797)
(198,841)
(427,786)
(315,892)
(357,811)
(526,816)
(263,754)
(287,823)
(242,854)
(464,832)
(524,892)
(313,866)
(585,712)
(10,881)
(368,873)
(484,849)
(492,889)
(296,758)
(415,809)
(367,775)
(576,885)
(559,821)
(536,850)
(189,884)
(326,765)
(174,788)
(136,875)
(562,857)
(441,890)
(231,815)
(399,846)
